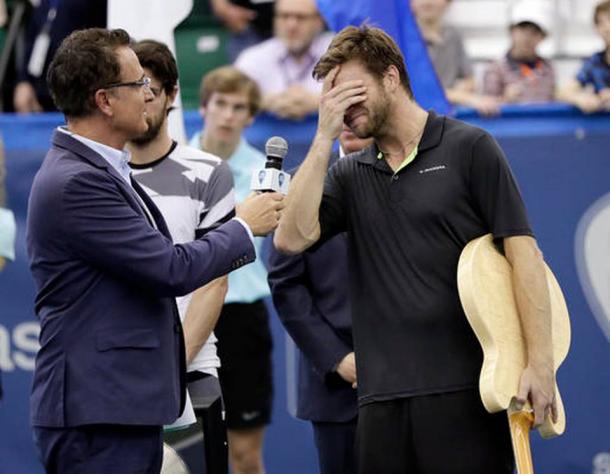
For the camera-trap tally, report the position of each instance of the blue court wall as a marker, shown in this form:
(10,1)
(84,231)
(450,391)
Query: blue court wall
(562,162)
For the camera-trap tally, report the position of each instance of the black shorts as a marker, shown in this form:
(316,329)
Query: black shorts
(447,433)
(244,347)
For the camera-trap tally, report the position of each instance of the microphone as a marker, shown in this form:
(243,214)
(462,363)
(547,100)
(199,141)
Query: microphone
(271,178)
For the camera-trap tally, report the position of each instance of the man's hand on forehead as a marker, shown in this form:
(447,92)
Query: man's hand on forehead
(335,101)
(329,80)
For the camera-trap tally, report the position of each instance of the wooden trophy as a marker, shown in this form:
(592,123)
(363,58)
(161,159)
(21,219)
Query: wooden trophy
(486,292)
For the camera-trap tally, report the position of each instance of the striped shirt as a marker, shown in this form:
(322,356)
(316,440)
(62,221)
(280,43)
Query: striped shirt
(194,192)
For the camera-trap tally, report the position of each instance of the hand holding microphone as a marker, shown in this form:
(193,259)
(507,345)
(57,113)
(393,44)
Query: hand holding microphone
(262,210)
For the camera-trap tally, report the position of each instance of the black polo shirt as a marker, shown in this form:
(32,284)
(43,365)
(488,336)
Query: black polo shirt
(405,233)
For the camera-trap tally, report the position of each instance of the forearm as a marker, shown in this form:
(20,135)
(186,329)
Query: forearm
(532,298)
(268,102)
(299,227)
(459,96)
(202,314)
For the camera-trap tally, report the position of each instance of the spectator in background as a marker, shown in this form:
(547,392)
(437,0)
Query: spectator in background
(248,21)
(282,65)
(311,297)
(447,53)
(523,76)
(229,102)
(50,22)
(590,90)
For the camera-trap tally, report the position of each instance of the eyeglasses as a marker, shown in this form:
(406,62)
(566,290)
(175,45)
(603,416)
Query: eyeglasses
(144,82)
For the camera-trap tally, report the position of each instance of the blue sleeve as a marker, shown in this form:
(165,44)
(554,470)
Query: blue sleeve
(333,208)
(314,336)
(101,228)
(584,75)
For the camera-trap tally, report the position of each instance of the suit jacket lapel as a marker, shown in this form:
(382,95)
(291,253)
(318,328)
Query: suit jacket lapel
(154,210)
(64,140)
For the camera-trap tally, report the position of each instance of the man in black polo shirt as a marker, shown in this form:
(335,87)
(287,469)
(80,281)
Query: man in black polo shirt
(409,204)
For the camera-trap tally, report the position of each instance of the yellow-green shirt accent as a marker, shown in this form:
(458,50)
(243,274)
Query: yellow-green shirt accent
(406,161)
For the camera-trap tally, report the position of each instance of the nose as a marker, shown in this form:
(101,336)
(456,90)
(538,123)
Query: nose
(228,113)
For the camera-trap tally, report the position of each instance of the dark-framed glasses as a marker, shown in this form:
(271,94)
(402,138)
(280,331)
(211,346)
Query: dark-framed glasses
(144,82)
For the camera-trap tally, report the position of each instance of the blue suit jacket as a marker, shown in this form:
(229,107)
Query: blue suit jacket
(112,349)
(310,293)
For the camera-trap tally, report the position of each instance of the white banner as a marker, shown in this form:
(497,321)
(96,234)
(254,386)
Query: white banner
(153,19)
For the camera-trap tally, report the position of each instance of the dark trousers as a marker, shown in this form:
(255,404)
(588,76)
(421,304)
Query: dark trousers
(335,443)
(100,449)
(207,402)
(448,433)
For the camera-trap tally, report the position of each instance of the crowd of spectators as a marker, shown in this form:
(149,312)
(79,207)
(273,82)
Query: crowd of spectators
(276,42)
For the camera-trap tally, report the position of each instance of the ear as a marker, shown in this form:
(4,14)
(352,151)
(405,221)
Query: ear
(103,99)
(201,110)
(391,78)
(172,96)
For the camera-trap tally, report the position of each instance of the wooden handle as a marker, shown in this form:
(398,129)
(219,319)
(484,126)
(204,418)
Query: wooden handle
(521,422)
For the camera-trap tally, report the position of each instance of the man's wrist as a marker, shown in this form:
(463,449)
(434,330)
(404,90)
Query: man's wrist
(322,140)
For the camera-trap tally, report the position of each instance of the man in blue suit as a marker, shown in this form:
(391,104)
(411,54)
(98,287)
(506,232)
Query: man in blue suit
(110,370)
(309,291)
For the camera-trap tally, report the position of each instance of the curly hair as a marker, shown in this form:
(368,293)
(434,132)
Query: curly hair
(159,59)
(85,61)
(372,47)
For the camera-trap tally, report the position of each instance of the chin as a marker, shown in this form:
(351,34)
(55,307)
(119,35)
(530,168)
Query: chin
(139,136)
(297,47)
